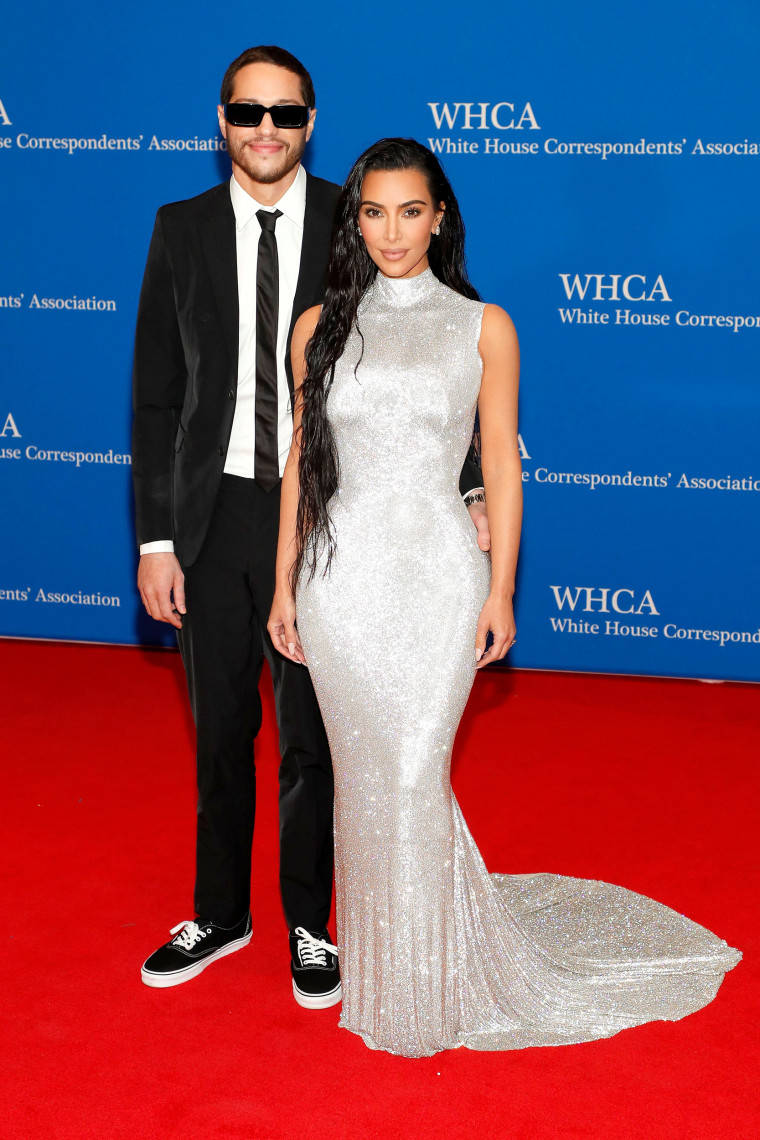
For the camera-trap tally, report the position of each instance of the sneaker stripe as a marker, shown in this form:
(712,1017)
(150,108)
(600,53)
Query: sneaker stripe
(160,979)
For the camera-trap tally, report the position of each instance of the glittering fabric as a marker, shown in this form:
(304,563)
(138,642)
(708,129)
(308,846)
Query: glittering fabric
(435,952)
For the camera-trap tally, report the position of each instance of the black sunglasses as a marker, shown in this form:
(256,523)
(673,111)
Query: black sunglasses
(285,116)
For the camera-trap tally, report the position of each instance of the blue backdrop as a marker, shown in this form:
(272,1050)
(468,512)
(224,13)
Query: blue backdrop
(606,159)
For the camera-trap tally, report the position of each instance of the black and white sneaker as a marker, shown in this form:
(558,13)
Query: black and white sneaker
(314,966)
(196,945)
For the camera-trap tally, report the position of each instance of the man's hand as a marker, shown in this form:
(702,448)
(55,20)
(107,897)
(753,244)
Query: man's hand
(479,516)
(159,576)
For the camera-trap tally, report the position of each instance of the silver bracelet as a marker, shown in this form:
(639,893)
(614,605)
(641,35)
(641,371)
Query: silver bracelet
(474,497)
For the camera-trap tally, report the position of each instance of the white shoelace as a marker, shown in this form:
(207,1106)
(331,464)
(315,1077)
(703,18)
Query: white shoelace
(191,933)
(311,950)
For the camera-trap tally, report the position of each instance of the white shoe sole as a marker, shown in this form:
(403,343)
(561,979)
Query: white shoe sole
(317,1001)
(177,977)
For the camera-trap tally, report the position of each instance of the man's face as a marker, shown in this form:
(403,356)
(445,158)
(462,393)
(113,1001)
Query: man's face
(266,153)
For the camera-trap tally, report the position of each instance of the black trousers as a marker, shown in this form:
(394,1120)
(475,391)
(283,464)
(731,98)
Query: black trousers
(229,591)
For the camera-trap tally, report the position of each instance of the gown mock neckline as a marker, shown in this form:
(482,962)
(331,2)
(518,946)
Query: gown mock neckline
(403,291)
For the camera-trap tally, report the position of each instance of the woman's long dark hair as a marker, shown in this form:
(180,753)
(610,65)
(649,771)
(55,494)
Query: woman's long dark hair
(350,272)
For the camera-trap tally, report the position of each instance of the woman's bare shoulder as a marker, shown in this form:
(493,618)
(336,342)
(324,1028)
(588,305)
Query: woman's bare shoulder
(306,323)
(497,331)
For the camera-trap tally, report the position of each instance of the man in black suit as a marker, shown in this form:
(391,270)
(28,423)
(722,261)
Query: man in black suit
(228,274)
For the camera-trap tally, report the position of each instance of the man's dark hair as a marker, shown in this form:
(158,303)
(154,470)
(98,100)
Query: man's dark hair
(268,54)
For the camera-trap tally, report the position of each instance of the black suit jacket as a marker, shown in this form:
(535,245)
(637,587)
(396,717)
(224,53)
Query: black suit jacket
(186,358)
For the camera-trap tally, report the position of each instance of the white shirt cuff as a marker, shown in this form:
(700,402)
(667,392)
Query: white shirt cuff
(162,546)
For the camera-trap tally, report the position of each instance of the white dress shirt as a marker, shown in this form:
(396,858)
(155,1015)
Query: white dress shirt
(289,235)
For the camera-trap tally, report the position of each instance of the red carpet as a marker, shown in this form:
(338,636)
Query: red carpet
(651,784)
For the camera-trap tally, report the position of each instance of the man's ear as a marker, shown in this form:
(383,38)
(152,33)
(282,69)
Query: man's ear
(222,121)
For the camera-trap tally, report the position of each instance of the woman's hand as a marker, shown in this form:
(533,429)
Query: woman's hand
(282,626)
(498,618)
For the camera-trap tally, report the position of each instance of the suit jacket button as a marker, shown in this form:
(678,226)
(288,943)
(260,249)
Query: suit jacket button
(221,451)
(230,395)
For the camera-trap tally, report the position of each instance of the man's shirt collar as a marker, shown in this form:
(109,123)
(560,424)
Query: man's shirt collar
(292,204)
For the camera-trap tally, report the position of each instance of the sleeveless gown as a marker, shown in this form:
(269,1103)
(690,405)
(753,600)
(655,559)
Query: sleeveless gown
(436,953)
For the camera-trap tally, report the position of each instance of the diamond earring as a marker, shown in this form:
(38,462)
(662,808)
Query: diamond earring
(437,230)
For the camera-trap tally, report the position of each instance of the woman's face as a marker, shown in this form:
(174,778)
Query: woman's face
(397,218)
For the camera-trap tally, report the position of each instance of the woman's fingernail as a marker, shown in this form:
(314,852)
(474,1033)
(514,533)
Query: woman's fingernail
(291,647)
(478,654)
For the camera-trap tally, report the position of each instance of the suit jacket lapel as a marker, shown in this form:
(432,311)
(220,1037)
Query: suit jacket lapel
(315,249)
(220,251)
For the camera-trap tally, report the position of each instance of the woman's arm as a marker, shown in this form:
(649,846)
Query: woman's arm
(502,477)
(282,618)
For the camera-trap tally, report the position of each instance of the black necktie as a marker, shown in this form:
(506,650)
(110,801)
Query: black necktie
(266,469)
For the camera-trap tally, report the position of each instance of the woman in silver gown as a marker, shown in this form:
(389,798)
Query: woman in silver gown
(393,601)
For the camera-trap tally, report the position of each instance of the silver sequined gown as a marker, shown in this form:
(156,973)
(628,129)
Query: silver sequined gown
(434,951)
